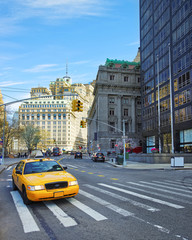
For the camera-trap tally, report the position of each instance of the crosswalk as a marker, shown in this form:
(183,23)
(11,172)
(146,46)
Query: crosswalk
(155,195)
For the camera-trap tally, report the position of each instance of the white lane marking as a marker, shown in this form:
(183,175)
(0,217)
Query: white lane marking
(138,204)
(159,189)
(171,184)
(92,213)
(168,187)
(114,208)
(180,183)
(143,196)
(154,193)
(27,220)
(70,165)
(60,215)
(8,168)
(5,180)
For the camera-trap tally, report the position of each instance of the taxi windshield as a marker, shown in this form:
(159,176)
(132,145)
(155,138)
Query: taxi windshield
(42,166)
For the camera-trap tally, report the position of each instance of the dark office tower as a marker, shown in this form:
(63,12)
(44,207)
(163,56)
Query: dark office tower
(166,58)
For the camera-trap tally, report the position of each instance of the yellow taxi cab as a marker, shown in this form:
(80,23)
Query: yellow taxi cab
(41,179)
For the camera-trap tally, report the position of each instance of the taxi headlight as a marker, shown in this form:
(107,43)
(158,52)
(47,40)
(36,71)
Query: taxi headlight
(35,188)
(73,183)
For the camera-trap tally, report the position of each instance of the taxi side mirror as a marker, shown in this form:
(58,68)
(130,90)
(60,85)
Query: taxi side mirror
(18,172)
(65,168)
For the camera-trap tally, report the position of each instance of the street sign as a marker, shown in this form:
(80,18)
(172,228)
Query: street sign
(124,137)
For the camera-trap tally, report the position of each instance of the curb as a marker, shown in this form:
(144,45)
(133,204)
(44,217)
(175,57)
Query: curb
(6,166)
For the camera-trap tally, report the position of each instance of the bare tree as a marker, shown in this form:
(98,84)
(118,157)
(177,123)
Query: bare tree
(31,136)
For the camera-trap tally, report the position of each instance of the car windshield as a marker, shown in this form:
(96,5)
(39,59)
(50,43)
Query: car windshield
(99,154)
(42,166)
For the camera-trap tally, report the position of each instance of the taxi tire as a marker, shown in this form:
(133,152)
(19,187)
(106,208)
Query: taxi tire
(14,187)
(25,198)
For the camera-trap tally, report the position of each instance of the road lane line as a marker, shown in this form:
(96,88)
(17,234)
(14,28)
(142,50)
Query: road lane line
(159,189)
(60,215)
(171,184)
(92,213)
(154,193)
(71,166)
(114,195)
(27,220)
(143,196)
(113,207)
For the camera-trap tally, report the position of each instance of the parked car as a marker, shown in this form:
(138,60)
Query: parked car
(78,155)
(40,179)
(98,157)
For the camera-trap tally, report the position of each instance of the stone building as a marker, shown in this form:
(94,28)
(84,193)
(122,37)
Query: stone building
(54,115)
(117,102)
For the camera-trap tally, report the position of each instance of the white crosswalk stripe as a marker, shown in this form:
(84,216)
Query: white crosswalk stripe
(107,204)
(114,195)
(92,213)
(168,187)
(144,196)
(24,214)
(159,189)
(171,184)
(154,193)
(60,215)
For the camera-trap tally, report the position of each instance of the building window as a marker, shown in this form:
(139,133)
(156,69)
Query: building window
(111,100)
(38,116)
(43,116)
(126,100)
(126,79)
(125,112)
(59,116)
(111,112)
(112,77)
(49,116)
(32,117)
(54,116)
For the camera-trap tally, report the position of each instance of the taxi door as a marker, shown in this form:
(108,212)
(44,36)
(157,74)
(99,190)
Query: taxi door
(18,175)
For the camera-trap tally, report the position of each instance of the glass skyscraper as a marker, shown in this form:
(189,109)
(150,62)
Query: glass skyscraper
(166,74)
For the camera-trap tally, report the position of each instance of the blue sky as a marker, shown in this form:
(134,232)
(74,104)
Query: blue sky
(38,38)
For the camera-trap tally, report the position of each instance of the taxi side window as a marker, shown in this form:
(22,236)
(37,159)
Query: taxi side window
(20,166)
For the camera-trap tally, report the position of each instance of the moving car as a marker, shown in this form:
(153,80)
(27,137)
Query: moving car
(78,155)
(98,157)
(41,179)
(57,151)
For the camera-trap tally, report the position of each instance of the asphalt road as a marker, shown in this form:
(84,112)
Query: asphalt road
(113,203)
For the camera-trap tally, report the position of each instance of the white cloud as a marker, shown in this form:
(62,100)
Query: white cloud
(133,43)
(9,83)
(42,68)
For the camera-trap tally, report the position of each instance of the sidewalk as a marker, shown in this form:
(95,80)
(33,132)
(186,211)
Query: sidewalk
(152,166)
(8,162)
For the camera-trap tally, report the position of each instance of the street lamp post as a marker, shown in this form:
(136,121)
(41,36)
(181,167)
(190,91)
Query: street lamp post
(171,100)
(3,148)
(159,112)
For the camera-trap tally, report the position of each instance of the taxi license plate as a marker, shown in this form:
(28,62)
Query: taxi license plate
(58,194)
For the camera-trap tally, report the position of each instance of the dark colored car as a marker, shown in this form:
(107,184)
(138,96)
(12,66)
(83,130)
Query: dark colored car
(98,157)
(78,155)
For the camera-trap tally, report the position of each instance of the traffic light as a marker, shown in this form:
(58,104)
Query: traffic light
(83,124)
(77,106)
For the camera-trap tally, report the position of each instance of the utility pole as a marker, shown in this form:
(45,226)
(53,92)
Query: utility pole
(124,160)
(3,149)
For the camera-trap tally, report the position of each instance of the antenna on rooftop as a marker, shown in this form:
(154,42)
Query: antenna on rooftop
(67,69)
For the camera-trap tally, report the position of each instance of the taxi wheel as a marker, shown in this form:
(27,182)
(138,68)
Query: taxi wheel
(25,198)
(14,187)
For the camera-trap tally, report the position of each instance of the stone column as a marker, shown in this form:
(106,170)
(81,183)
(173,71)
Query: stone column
(119,112)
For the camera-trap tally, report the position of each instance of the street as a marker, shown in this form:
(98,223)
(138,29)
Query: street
(113,203)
